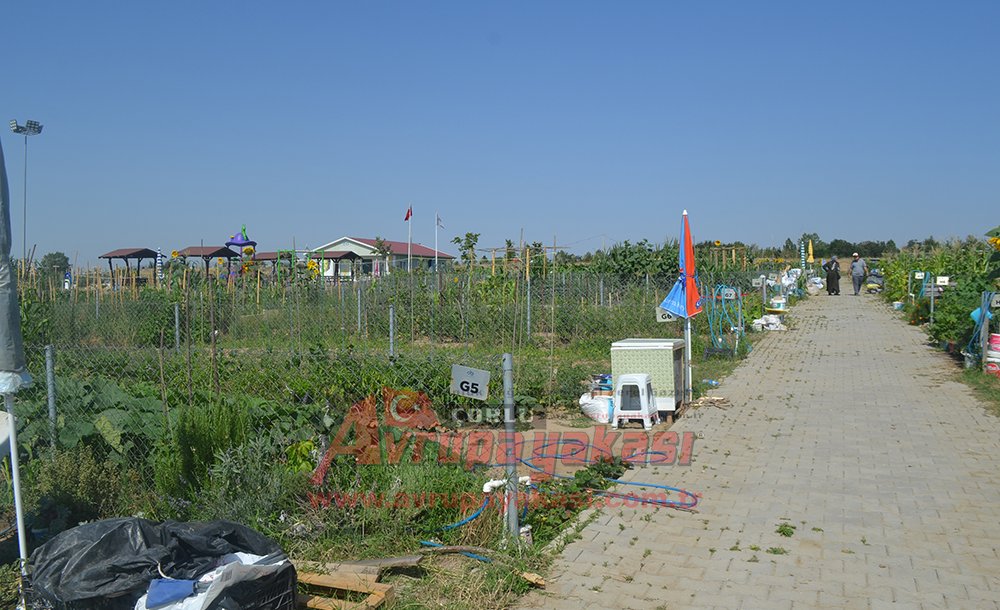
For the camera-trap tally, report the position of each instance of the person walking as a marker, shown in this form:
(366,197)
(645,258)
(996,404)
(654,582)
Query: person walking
(832,268)
(859,269)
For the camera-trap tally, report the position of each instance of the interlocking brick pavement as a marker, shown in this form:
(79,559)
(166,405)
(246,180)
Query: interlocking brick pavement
(849,428)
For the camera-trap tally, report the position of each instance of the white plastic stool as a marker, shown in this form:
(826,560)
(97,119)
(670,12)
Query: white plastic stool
(634,399)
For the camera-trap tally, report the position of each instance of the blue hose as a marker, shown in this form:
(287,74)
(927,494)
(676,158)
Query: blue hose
(486,501)
(466,553)
(581,446)
(984,318)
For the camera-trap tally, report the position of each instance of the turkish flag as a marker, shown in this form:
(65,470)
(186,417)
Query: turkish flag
(409,213)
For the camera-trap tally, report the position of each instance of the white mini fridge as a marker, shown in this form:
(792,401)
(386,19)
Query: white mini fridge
(662,359)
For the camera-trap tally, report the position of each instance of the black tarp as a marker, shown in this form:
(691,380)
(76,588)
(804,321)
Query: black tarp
(109,564)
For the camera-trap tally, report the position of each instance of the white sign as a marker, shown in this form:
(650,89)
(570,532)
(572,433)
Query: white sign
(468,382)
(729,294)
(662,315)
(942,280)
(918,275)
(757,282)
(995,302)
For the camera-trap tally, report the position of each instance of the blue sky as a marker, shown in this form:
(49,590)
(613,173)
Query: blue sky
(171,124)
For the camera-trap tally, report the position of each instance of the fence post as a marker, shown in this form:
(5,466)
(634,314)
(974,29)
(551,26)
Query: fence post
(392,330)
(177,328)
(15,473)
(359,307)
(933,290)
(50,382)
(510,416)
(528,300)
(600,287)
(984,330)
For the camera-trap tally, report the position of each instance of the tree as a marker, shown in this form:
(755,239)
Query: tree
(53,266)
(820,247)
(381,253)
(467,245)
(841,248)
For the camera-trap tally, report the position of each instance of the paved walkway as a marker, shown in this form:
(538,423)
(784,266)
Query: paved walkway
(850,430)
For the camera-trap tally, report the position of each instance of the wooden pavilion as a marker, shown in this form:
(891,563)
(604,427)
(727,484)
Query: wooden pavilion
(207,253)
(127,254)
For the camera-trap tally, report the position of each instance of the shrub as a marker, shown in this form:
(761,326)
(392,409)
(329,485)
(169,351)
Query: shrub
(249,484)
(182,461)
(74,486)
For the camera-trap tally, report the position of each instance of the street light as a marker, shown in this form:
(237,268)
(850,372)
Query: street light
(30,128)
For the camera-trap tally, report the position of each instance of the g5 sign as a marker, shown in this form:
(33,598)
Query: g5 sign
(469,382)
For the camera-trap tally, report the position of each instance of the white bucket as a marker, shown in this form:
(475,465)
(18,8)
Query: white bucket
(778,303)
(995,341)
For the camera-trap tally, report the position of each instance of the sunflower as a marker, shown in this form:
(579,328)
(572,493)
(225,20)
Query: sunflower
(248,250)
(174,254)
(221,261)
(718,243)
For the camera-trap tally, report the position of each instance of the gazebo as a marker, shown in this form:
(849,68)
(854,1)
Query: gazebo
(126,254)
(334,258)
(207,253)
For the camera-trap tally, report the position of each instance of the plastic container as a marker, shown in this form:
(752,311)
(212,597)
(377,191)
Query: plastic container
(992,366)
(897,305)
(778,303)
(995,341)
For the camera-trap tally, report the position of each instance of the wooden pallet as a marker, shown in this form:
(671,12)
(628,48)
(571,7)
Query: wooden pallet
(340,582)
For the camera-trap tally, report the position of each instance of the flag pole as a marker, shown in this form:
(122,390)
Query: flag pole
(409,238)
(688,386)
(437,221)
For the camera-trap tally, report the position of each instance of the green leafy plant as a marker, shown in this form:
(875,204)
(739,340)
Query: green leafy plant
(786,529)
(183,459)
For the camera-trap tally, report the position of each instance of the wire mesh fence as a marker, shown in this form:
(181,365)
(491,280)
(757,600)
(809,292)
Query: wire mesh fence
(158,381)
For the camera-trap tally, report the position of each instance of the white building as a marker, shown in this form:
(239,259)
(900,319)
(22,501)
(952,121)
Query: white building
(344,256)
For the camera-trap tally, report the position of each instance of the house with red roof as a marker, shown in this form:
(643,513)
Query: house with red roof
(342,257)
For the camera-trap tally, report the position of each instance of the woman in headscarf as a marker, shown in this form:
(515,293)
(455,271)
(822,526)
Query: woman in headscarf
(832,268)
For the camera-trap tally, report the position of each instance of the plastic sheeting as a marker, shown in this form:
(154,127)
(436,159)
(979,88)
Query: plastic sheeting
(13,374)
(110,564)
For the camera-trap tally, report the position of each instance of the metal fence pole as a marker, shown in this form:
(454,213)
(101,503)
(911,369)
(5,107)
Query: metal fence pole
(509,417)
(177,327)
(984,329)
(392,330)
(359,307)
(15,470)
(600,287)
(50,382)
(933,290)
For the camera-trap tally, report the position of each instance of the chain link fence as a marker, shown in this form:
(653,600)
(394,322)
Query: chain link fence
(157,382)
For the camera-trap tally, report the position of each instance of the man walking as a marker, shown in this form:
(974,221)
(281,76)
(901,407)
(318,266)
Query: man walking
(859,269)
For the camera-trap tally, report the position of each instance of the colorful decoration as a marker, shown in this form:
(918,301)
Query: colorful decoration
(241,240)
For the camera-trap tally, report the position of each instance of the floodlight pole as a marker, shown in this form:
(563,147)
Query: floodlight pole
(30,128)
